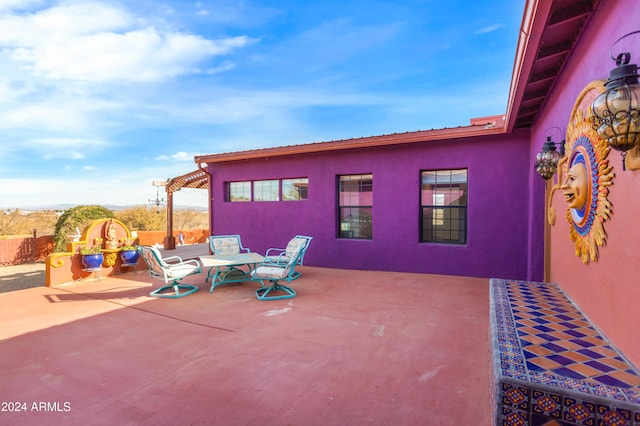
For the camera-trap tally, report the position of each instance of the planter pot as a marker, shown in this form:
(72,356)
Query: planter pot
(129,256)
(92,261)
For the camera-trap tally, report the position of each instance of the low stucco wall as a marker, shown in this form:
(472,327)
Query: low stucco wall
(66,267)
(191,236)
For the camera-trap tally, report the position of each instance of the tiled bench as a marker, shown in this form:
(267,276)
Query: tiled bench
(552,366)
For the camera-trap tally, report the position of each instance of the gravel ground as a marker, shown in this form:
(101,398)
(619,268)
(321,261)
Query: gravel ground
(18,277)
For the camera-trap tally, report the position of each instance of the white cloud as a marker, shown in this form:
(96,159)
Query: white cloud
(489,29)
(96,42)
(68,149)
(53,114)
(200,10)
(225,66)
(118,186)
(223,106)
(178,156)
(61,23)
(67,154)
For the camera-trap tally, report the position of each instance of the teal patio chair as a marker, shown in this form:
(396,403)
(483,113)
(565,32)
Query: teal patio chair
(281,256)
(227,245)
(276,272)
(170,270)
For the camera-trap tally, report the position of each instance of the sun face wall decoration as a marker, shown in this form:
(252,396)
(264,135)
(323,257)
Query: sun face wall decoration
(586,188)
(584,175)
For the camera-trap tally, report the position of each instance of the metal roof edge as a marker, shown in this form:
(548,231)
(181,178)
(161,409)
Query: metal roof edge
(533,24)
(483,126)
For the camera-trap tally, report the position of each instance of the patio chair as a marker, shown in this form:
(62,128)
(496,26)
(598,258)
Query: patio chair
(170,270)
(281,256)
(227,245)
(276,272)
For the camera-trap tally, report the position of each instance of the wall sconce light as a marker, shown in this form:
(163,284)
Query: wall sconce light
(547,160)
(616,116)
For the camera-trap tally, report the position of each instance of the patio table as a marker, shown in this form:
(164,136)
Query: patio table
(224,268)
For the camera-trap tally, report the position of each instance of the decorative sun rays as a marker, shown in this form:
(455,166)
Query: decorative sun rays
(586,228)
(584,174)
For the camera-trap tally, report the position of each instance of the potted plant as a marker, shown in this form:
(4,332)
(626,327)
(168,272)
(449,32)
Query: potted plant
(92,257)
(128,252)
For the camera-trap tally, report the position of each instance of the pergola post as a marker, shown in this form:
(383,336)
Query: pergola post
(198,179)
(169,239)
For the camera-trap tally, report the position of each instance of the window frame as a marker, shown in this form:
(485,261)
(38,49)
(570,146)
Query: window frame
(303,194)
(452,218)
(229,188)
(259,192)
(345,229)
(252,190)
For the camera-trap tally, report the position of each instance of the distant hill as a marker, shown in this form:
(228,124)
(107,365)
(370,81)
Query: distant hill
(114,207)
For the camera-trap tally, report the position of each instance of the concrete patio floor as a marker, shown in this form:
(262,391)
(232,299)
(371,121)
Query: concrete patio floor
(354,347)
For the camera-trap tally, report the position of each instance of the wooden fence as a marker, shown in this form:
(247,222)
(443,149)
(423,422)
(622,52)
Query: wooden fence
(19,250)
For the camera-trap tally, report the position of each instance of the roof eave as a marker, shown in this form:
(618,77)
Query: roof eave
(534,21)
(489,128)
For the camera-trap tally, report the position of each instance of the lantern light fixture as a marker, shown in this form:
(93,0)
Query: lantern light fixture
(547,160)
(616,113)
(158,201)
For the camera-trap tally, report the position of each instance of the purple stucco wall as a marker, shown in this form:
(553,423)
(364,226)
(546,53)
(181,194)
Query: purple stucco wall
(536,224)
(498,199)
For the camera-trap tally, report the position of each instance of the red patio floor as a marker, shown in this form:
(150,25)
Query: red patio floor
(354,347)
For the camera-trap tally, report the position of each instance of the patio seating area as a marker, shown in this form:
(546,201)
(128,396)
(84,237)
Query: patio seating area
(349,349)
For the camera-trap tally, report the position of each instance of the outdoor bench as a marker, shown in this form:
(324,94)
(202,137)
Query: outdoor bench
(551,366)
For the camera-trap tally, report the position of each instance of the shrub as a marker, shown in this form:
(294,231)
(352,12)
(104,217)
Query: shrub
(77,217)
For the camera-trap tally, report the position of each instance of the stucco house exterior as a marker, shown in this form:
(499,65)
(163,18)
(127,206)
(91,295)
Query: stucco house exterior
(458,201)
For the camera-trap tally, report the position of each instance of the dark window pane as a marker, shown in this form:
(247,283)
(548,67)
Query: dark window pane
(355,222)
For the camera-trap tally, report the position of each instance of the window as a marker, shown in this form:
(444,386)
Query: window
(295,189)
(239,191)
(355,206)
(266,190)
(443,206)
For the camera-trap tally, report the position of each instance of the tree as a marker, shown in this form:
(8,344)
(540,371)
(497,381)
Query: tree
(7,222)
(191,219)
(77,217)
(143,219)
(18,223)
(148,219)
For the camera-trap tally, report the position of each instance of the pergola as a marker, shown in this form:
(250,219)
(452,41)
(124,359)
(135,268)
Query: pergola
(198,179)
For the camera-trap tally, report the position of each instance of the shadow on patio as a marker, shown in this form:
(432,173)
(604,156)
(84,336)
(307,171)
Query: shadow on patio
(354,347)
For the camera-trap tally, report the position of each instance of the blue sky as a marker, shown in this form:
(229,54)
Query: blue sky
(98,99)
